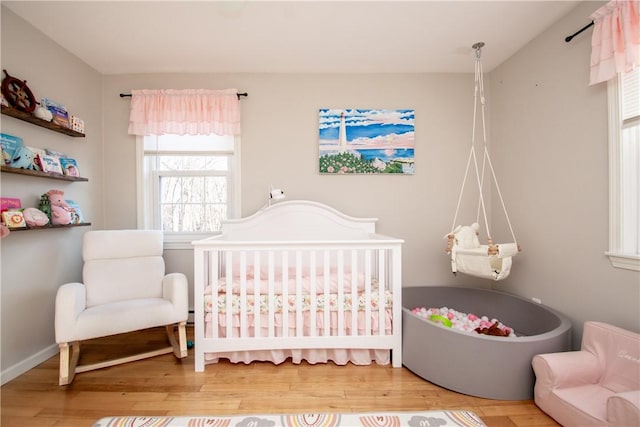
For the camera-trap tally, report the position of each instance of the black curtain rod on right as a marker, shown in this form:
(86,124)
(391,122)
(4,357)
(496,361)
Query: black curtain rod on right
(568,38)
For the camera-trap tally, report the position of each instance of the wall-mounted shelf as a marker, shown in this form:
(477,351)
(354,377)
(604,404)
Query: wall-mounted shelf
(48,226)
(20,115)
(9,169)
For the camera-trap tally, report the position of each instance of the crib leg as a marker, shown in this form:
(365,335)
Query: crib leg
(396,357)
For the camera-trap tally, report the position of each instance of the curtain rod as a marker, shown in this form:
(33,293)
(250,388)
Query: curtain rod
(128,95)
(568,38)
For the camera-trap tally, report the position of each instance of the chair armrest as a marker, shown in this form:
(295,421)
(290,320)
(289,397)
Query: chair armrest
(568,369)
(175,288)
(71,300)
(623,409)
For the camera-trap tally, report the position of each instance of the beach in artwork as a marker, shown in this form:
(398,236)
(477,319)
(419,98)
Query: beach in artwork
(366,141)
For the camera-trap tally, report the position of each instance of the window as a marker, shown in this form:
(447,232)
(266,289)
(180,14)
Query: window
(188,185)
(624,170)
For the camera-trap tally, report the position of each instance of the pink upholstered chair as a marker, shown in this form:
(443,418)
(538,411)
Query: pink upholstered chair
(596,386)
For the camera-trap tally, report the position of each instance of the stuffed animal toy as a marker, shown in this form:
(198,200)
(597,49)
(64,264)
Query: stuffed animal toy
(60,213)
(23,159)
(467,236)
(35,217)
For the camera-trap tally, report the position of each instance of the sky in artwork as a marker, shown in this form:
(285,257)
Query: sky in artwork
(367,128)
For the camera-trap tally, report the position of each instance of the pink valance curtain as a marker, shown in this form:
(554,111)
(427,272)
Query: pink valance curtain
(184,112)
(615,44)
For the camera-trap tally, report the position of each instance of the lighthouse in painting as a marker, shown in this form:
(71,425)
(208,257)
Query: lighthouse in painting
(342,136)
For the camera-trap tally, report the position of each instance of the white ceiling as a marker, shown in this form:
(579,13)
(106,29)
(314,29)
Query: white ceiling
(117,37)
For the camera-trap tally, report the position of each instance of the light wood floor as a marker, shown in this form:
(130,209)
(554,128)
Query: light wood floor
(166,386)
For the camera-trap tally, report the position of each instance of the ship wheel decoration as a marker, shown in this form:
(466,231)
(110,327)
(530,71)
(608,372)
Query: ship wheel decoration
(18,94)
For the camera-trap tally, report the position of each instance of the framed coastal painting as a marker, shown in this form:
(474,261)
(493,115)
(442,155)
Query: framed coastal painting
(359,141)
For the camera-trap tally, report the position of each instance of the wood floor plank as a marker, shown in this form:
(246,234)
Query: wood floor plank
(165,385)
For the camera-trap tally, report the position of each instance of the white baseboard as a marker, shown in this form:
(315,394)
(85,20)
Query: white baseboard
(27,364)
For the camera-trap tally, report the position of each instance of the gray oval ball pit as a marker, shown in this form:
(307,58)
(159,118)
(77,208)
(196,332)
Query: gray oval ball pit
(474,364)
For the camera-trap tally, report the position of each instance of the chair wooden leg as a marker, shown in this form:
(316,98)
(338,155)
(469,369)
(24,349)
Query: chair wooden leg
(180,346)
(69,355)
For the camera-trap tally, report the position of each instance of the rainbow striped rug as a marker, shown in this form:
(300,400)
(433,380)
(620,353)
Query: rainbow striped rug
(455,418)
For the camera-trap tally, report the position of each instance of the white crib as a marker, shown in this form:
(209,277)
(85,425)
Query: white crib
(263,286)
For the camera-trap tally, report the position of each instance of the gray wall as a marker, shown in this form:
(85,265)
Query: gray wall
(549,148)
(550,140)
(36,263)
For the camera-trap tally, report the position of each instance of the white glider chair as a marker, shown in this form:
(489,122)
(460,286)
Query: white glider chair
(124,289)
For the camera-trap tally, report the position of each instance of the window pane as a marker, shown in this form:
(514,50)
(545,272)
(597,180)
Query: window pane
(164,143)
(193,204)
(193,163)
(630,189)
(631,94)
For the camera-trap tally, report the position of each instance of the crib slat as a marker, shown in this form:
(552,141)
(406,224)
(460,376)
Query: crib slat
(367,292)
(271,297)
(354,292)
(340,254)
(382,284)
(313,309)
(243,295)
(213,261)
(229,293)
(256,294)
(299,321)
(327,285)
(285,293)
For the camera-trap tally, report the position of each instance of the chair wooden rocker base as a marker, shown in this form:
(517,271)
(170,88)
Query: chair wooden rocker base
(70,354)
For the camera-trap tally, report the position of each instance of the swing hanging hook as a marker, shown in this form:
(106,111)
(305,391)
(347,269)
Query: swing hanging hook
(478,48)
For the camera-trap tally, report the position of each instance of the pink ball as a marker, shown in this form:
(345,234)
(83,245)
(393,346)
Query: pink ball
(451,315)
(473,317)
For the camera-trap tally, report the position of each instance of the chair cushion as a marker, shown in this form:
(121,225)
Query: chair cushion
(124,316)
(122,264)
(586,405)
(108,244)
(112,280)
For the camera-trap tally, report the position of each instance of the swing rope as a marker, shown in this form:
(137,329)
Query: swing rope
(486,159)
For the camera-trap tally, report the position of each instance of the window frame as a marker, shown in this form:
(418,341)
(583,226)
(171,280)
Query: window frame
(147,186)
(617,256)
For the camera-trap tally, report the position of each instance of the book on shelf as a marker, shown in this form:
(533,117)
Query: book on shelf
(51,152)
(59,112)
(11,145)
(13,219)
(37,153)
(69,166)
(76,212)
(51,164)
(8,203)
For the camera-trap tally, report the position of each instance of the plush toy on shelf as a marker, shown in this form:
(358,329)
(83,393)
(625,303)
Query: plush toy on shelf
(35,217)
(45,205)
(60,213)
(23,159)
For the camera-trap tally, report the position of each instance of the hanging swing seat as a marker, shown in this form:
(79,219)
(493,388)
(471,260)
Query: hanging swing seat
(468,256)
